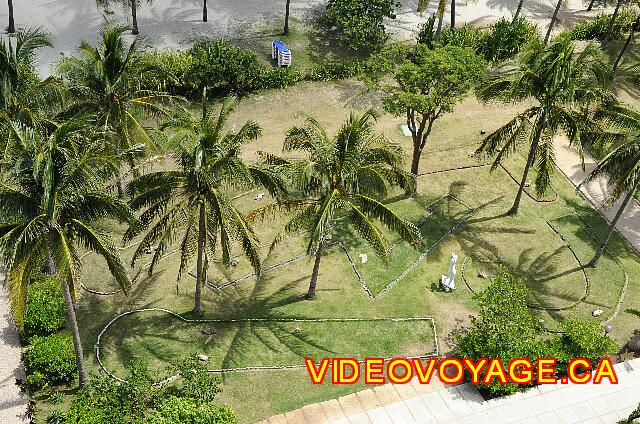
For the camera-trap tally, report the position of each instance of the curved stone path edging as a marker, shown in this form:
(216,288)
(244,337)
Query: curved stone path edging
(256,368)
(589,229)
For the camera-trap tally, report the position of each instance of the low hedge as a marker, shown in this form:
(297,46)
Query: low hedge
(45,313)
(50,360)
(596,29)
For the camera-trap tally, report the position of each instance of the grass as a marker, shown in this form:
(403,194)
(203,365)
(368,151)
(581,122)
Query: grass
(525,243)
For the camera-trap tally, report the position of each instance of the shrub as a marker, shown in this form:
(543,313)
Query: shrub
(172,79)
(50,360)
(188,411)
(596,29)
(45,313)
(585,339)
(361,21)
(277,78)
(426,33)
(506,38)
(504,328)
(462,37)
(222,68)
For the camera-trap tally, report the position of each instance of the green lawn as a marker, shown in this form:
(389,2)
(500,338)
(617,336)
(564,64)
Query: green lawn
(526,244)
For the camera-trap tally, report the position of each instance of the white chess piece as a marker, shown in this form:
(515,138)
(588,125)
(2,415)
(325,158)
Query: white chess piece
(449,281)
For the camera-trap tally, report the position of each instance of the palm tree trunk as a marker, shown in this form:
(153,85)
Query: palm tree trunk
(607,37)
(453,14)
(603,244)
(635,26)
(590,5)
(553,22)
(530,158)
(286,18)
(205,13)
(518,10)
(439,28)
(197,309)
(12,25)
(83,376)
(314,275)
(134,16)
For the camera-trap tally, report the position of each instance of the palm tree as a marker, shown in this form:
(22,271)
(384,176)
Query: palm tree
(20,92)
(442,5)
(134,17)
(191,200)
(12,25)
(341,179)
(631,36)
(559,80)
(106,81)
(49,200)
(553,21)
(622,165)
(518,10)
(286,17)
(204,11)
(612,21)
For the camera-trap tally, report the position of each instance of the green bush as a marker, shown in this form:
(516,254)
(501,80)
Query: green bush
(361,21)
(277,78)
(50,360)
(45,313)
(188,411)
(506,38)
(596,29)
(222,68)
(464,36)
(426,34)
(172,79)
(585,339)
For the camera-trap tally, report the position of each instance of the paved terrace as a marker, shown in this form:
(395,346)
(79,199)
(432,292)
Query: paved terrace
(436,403)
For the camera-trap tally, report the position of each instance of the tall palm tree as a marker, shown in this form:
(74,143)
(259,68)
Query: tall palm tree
(134,17)
(342,178)
(12,25)
(622,165)
(442,6)
(559,79)
(20,91)
(554,18)
(518,10)
(191,201)
(106,80)
(632,32)
(49,200)
(204,11)
(286,17)
(612,21)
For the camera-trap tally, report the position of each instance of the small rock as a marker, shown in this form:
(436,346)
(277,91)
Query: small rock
(498,149)
(634,343)
(259,196)
(150,250)
(482,132)
(527,184)
(297,330)
(363,258)
(541,321)
(235,262)
(209,331)
(203,357)
(597,312)
(483,274)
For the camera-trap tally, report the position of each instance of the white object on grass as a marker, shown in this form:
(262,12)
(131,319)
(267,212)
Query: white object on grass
(448,281)
(363,258)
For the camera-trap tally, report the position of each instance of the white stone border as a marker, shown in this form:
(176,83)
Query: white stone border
(257,368)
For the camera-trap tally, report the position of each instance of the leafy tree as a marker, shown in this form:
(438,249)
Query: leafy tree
(429,86)
(562,82)
(105,81)
(191,200)
(361,21)
(49,200)
(341,179)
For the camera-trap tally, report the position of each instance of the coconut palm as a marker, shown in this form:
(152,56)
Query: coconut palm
(632,32)
(342,178)
(12,25)
(612,21)
(190,202)
(49,201)
(554,18)
(21,93)
(106,81)
(518,10)
(204,11)
(562,82)
(622,165)
(287,8)
(442,5)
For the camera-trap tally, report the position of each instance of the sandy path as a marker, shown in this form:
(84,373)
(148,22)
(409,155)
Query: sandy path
(13,402)
(177,23)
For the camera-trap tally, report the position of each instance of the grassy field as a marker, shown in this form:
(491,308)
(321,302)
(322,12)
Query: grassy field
(525,243)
